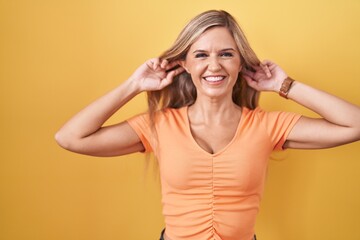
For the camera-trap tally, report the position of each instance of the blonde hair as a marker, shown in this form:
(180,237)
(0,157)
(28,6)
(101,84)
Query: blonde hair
(182,92)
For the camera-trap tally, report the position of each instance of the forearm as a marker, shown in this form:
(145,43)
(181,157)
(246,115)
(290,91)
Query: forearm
(92,117)
(334,109)
(340,120)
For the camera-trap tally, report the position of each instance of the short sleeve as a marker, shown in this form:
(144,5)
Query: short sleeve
(278,126)
(141,125)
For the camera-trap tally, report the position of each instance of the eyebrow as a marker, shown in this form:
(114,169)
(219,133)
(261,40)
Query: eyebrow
(222,50)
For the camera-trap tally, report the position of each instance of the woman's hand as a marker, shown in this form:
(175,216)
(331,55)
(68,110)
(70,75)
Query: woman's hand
(155,75)
(268,76)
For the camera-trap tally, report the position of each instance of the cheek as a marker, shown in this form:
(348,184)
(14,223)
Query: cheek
(197,68)
(234,68)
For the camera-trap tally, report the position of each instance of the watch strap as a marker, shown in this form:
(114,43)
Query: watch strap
(285,87)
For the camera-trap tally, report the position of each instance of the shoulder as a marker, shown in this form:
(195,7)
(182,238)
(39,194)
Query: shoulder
(269,117)
(161,116)
(171,116)
(171,113)
(262,113)
(257,112)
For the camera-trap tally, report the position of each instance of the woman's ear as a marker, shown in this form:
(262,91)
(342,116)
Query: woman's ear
(183,65)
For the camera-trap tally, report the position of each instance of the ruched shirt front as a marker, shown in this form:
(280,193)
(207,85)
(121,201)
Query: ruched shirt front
(212,196)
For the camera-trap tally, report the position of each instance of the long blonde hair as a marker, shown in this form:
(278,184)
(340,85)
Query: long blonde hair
(182,92)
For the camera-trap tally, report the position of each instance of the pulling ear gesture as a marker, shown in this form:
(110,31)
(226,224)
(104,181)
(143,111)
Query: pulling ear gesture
(268,76)
(155,74)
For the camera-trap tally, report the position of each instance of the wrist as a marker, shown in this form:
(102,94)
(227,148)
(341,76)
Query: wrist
(133,86)
(285,87)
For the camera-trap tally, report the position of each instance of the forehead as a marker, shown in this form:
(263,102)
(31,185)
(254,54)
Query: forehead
(214,38)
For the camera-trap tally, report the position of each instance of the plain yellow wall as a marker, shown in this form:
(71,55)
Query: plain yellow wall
(57,56)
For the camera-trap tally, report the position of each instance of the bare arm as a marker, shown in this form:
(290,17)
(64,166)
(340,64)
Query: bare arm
(84,133)
(340,120)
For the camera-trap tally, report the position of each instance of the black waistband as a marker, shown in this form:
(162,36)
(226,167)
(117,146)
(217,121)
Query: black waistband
(163,231)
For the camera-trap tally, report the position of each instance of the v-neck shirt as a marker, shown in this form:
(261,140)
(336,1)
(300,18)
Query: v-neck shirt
(212,196)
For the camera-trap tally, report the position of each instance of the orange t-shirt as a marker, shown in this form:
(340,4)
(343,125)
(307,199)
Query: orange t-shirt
(212,196)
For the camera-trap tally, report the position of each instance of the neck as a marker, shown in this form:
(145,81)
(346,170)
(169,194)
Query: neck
(213,110)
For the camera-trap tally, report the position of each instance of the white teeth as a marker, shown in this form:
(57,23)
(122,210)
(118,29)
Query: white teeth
(214,79)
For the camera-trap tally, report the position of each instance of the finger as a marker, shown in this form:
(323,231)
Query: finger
(172,65)
(251,82)
(155,63)
(164,63)
(170,75)
(267,62)
(257,67)
(266,69)
(178,70)
(248,73)
(271,65)
(167,80)
(249,79)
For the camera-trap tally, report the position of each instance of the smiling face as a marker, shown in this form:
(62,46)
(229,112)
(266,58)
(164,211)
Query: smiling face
(213,61)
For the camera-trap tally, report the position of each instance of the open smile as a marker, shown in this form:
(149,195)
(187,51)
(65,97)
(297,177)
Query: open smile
(214,79)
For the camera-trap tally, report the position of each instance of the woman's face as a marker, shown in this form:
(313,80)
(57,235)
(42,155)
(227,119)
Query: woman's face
(213,61)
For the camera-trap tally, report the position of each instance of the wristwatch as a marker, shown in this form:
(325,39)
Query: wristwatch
(285,87)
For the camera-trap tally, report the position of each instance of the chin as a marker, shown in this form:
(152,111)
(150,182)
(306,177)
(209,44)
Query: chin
(215,93)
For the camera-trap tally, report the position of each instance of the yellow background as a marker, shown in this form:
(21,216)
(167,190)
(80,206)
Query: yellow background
(57,56)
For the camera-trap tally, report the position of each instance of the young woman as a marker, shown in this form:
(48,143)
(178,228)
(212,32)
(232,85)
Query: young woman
(210,138)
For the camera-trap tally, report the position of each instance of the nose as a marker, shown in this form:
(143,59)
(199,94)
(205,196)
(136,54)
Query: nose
(214,64)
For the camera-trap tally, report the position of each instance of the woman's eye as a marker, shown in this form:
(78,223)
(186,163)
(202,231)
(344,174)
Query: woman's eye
(226,54)
(200,55)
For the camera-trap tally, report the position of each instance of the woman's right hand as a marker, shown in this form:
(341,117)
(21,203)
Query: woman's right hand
(155,74)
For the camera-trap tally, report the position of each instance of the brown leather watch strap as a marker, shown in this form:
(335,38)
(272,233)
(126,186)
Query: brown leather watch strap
(285,87)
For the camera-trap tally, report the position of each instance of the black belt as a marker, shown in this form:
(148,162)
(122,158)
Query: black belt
(163,231)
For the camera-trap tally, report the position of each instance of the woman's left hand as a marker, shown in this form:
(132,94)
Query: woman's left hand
(268,76)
